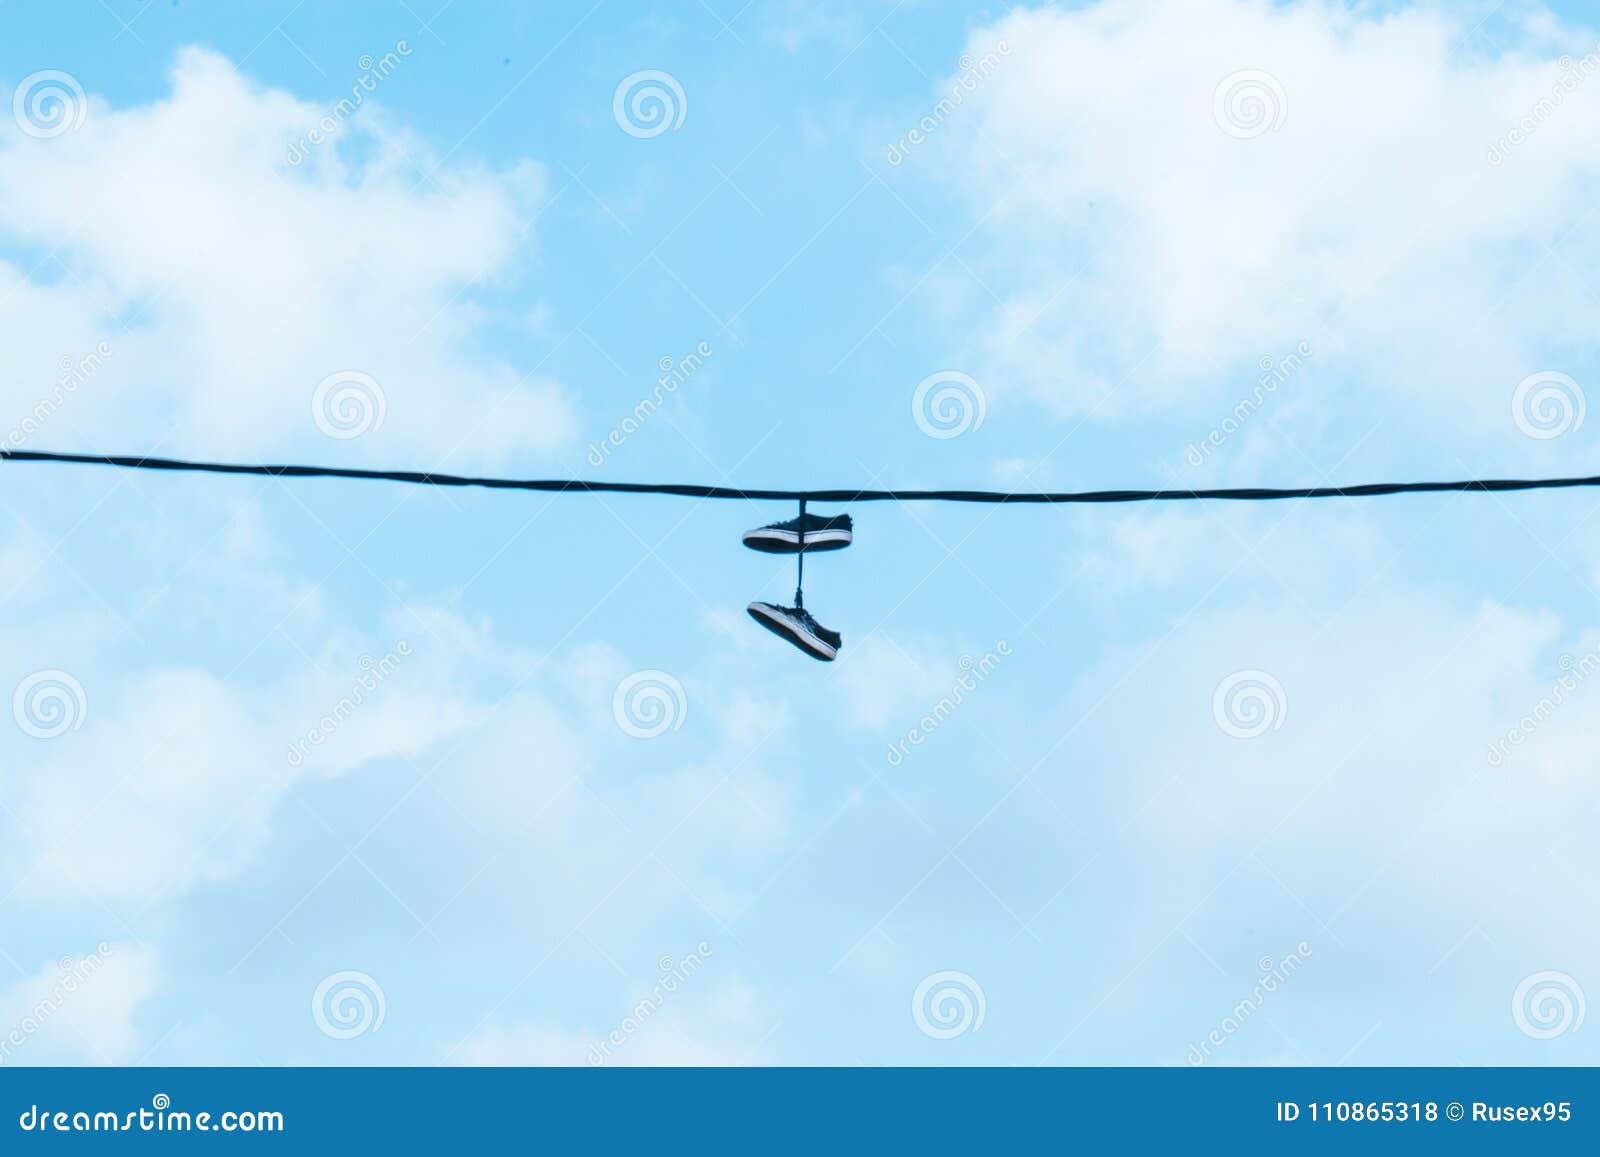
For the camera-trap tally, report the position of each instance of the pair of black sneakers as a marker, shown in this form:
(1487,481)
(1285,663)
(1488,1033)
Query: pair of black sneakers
(807,534)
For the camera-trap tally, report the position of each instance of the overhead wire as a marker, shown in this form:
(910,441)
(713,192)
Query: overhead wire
(825,494)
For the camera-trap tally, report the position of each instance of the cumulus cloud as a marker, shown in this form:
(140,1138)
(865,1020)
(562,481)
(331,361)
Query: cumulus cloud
(174,774)
(1353,757)
(212,285)
(633,829)
(1156,228)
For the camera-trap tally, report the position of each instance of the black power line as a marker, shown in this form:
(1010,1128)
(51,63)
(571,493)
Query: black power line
(690,490)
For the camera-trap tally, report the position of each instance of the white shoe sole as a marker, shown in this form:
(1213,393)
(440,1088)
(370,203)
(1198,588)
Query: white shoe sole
(815,540)
(789,629)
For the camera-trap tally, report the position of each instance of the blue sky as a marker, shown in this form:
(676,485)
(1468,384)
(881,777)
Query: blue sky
(1162,244)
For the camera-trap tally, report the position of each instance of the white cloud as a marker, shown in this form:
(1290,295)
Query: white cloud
(888,680)
(1370,792)
(227,283)
(79,1009)
(1146,258)
(633,828)
(1192,547)
(23,557)
(175,774)
(725,1026)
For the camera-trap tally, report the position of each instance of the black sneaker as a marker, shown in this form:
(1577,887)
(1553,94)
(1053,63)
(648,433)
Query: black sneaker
(784,537)
(797,625)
